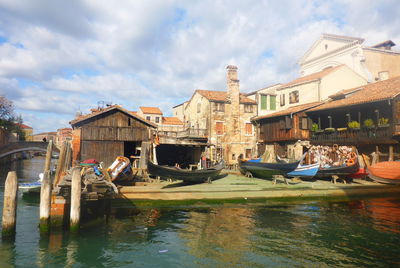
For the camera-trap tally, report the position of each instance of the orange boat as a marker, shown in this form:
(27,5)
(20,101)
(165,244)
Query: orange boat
(385,172)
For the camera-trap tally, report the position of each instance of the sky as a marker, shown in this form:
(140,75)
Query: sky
(60,57)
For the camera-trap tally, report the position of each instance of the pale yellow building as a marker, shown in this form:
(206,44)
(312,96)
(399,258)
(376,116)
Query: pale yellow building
(378,62)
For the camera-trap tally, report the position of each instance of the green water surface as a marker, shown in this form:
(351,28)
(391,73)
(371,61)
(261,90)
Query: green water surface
(359,233)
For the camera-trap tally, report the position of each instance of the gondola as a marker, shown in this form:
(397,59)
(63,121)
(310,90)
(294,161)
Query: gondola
(385,172)
(266,170)
(305,171)
(191,176)
(342,170)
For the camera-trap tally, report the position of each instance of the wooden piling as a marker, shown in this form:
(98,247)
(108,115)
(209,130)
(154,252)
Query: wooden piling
(75,200)
(68,157)
(49,152)
(10,205)
(391,154)
(60,164)
(45,200)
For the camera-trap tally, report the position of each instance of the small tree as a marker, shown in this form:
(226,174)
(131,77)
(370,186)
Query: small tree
(8,119)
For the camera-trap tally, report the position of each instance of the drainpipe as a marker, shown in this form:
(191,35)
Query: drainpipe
(319,89)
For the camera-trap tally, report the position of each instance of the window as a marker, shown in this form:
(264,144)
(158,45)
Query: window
(198,107)
(248,153)
(294,96)
(129,122)
(263,101)
(219,128)
(218,106)
(305,123)
(272,103)
(383,75)
(288,122)
(157,119)
(248,108)
(282,99)
(148,118)
(249,129)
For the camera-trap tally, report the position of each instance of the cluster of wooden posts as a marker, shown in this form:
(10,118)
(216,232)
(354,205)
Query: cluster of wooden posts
(11,194)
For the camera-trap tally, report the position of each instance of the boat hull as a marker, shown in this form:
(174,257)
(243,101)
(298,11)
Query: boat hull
(195,176)
(338,171)
(305,171)
(387,170)
(266,170)
(33,187)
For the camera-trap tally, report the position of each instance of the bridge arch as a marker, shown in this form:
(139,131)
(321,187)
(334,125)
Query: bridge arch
(17,147)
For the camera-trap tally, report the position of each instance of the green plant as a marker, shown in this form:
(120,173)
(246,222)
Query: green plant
(353,124)
(383,121)
(369,123)
(314,127)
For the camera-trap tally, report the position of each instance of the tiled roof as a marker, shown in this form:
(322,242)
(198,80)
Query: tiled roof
(23,126)
(290,110)
(150,110)
(378,91)
(311,77)
(171,121)
(222,96)
(384,43)
(113,107)
(268,87)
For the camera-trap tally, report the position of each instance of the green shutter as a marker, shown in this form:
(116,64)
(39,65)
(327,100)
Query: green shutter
(272,103)
(263,102)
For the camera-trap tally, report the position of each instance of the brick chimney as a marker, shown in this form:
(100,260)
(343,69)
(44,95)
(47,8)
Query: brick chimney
(233,84)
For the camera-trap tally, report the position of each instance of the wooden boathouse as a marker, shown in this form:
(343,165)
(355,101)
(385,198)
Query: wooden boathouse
(109,132)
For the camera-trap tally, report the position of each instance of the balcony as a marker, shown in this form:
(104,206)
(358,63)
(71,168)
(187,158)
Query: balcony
(355,137)
(189,133)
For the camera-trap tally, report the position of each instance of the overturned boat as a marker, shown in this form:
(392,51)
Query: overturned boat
(191,176)
(385,172)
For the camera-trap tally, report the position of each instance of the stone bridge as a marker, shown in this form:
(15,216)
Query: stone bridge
(16,147)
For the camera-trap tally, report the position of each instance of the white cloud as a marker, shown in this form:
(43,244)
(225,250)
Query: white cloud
(71,54)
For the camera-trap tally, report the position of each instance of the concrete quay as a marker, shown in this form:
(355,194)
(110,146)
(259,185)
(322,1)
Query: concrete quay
(237,188)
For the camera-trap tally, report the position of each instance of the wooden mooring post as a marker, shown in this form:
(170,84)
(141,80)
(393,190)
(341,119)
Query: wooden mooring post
(9,219)
(45,201)
(75,200)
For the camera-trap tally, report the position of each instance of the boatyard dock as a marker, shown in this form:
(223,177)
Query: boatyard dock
(236,187)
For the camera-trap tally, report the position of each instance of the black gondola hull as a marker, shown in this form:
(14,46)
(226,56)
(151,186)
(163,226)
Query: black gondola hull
(195,176)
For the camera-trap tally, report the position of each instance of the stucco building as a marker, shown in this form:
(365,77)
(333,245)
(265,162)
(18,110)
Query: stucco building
(225,117)
(377,62)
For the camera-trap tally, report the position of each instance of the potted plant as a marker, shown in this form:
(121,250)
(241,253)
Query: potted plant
(383,122)
(354,125)
(315,128)
(369,123)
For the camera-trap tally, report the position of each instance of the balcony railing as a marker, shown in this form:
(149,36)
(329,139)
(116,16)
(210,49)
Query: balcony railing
(365,136)
(188,133)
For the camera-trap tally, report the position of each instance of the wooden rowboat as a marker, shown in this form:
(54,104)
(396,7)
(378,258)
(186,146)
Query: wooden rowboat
(192,176)
(385,172)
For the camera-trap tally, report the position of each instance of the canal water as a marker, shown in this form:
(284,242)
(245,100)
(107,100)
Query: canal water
(359,233)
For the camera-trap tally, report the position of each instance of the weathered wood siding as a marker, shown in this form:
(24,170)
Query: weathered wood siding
(114,133)
(105,151)
(274,130)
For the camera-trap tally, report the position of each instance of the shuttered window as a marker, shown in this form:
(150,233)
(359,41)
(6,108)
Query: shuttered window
(219,127)
(272,103)
(282,99)
(249,129)
(263,102)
